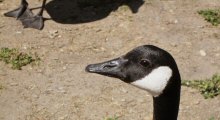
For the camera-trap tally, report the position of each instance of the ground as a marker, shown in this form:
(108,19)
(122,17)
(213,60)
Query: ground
(60,89)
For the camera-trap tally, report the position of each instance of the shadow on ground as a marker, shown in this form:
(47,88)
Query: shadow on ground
(83,11)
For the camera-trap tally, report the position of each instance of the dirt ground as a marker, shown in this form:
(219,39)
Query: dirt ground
(80,34)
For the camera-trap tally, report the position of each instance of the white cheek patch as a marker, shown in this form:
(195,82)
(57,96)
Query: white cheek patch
(156,81)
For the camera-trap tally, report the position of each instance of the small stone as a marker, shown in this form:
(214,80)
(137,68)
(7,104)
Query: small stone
(14,84)
(200,26)
(174,44)
(175,21)
(197,103)
(112,53)
(63,117)
(53,34)
(188,43)
(61,90)
(18,32)
(202,53)
(61,50)
(35,96)
(171,11)
(40,71)
(55,31)
(25,47)
(64,67)
(162,28)
(103,49)
(98,30)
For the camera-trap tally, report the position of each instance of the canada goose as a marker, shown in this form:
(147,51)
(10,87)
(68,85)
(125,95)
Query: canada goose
(28,19)
(152,69)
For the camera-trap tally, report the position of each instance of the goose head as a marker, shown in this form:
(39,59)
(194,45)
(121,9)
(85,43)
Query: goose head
(149,68)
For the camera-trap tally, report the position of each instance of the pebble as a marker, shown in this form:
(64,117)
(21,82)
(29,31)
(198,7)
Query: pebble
(61,50)
(64,67)
(197,103)
(53,34)
(61,90)
(14,84)
(175,21)
(174,44)
(162,28)
(202,53)
(40,71)
(63,117)
(25,47)
(171,11)
(18,32)
(98,30)
(200,26)
(35,96)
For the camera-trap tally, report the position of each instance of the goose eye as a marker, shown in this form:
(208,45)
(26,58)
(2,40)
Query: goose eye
(144,63)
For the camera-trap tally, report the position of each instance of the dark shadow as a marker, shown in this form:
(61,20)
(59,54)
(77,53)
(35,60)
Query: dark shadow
(83,11)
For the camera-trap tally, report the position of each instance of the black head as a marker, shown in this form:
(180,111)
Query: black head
(137,64)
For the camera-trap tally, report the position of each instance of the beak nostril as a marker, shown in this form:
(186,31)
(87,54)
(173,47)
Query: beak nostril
(109,66)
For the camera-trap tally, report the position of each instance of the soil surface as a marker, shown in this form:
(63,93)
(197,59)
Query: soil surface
(82,32)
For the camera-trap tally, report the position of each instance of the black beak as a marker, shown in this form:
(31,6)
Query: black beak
(112,68)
